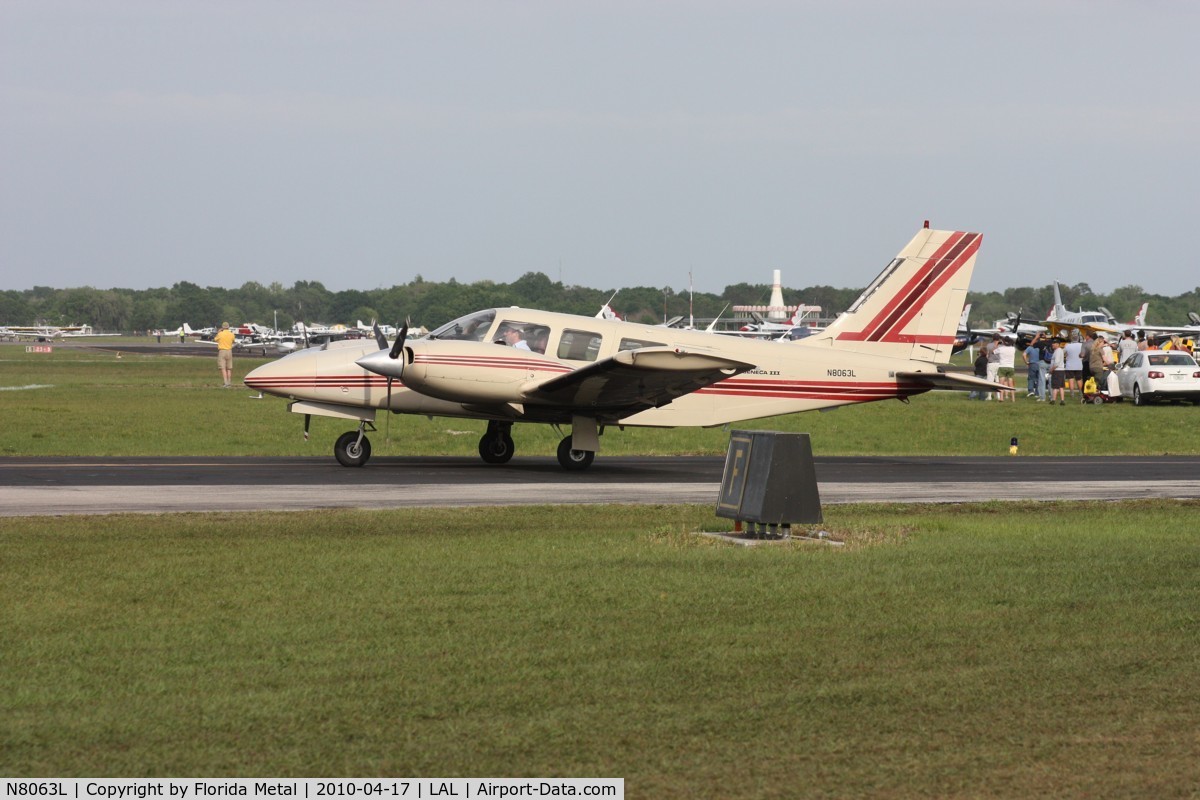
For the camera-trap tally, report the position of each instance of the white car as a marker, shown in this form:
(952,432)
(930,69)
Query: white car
(1160,375)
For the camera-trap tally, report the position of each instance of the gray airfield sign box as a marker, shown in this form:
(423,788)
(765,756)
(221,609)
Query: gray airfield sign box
(769,479)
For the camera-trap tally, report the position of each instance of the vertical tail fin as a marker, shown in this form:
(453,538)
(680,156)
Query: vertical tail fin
(1059,311)
(912,309)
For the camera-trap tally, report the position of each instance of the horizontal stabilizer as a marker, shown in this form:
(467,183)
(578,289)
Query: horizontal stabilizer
(953,381)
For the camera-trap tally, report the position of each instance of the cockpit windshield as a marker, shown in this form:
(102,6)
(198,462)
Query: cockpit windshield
(471,328)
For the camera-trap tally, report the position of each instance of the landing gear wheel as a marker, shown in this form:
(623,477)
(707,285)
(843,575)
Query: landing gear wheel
(573,459)
(496,448)
(351,451)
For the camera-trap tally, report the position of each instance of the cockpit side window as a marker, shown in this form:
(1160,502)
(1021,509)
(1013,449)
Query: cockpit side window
(522,335)
(471,328)
(579,345)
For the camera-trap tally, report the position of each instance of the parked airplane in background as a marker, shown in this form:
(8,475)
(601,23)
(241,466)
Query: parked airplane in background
(1061,320)
(792,328)
(1103,321)
(368,330)
(45,333)
(593,374)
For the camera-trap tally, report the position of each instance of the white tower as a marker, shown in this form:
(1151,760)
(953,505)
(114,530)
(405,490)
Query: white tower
(775,309)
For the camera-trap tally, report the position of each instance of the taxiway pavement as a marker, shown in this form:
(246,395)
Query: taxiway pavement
(65,485)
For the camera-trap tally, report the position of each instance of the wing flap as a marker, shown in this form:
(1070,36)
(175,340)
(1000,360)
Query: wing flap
(633,380)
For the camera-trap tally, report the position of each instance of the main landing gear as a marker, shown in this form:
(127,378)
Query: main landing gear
(573,459)
(497,446)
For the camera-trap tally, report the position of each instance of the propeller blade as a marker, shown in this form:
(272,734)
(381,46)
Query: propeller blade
(398,347)
(380,339)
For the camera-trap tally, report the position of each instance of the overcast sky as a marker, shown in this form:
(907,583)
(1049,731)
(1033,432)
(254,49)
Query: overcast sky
(605,144)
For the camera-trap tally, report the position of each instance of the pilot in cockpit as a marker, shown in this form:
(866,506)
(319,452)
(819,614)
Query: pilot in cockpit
(513,338)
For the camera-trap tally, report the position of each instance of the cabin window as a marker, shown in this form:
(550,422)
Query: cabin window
(638,344)
(579,345)
(471,328)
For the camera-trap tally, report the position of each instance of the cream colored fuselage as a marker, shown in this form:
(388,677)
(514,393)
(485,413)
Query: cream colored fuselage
(471,379)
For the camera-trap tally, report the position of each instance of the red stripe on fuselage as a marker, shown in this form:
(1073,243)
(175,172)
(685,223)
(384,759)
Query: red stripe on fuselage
(491,362)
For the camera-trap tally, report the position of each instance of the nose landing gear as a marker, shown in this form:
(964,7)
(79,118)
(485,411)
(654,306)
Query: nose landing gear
(353,448)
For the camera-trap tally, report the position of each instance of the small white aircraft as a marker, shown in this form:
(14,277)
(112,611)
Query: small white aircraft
(386,330)
(45,333)
(792,328)
(511,365)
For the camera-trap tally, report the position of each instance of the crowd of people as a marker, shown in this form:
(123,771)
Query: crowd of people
(1058,367)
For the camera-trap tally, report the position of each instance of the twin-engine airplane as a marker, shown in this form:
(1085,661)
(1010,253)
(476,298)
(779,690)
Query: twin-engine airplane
(512,365)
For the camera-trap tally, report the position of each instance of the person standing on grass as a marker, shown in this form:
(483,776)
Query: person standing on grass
(1032,356)
(1073,357)
(224,340)
(980,372)
(1058,373)
(1100,359)
(1126,348)
(993,363)
(1085,354)
(1006,373)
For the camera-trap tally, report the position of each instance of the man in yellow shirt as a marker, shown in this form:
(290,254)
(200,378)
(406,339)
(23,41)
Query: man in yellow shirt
(224,340)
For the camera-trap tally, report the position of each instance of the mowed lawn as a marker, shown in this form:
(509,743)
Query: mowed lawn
(1010,650)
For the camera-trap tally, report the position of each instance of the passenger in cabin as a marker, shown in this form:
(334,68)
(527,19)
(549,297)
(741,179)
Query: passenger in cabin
(540,337)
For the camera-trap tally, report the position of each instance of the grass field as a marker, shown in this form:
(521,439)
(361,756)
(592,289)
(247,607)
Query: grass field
(92,403)
(996,649)
(971,651)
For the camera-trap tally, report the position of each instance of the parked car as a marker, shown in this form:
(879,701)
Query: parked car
(1160,375)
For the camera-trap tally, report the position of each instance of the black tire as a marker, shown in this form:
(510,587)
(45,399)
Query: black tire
(1138,400)
(496,449)
(574,459)
(1098,400)
(349,451)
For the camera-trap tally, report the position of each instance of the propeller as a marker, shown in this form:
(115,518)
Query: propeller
(396,350)
(398,347)
(380,339)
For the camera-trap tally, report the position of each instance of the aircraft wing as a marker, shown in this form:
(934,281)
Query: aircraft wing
(634,380)
(1057,328)
(1185,330)
(952,380)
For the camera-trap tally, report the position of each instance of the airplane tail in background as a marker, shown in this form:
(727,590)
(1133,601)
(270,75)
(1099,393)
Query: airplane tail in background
(912,309)
(963,321)
(1140,317)
(1059,311)
(187,329)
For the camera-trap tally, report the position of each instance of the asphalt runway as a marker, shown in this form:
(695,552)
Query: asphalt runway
(66,485)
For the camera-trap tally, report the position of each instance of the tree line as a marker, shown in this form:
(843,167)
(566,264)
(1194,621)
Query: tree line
(431,303)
